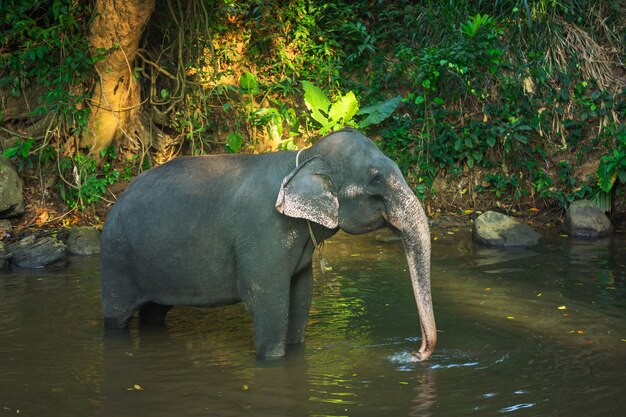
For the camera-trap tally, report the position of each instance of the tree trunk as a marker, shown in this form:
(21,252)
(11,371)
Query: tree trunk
(116,101)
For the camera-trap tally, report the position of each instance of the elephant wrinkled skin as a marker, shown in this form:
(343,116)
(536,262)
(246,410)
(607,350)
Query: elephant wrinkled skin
(216,230)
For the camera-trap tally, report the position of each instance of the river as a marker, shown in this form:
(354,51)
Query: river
(524,332)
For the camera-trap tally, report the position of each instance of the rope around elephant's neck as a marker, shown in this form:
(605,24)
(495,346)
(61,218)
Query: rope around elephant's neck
(324,265)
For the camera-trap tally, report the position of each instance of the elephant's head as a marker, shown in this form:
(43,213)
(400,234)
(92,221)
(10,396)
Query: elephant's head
(345,181)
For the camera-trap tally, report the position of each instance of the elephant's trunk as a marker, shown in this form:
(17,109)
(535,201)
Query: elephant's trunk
(406,214)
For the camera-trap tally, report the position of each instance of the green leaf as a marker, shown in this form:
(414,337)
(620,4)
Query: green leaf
(11,152)
(344,109)
(606,177)
(315,98)
(316,101)
(379,111)
(621,174)
(234,142)
(249,83)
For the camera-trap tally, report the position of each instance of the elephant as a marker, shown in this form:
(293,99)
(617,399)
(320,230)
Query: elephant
(215,230)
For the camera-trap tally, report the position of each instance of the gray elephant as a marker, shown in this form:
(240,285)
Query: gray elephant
(216,230)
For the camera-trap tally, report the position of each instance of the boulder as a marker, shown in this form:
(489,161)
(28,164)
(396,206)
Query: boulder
(585,220)
(497,229)
(11,195)
(37,252)
(83,240)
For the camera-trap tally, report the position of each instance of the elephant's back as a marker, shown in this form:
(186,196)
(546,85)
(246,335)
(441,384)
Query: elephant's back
(175,197)
(182,215)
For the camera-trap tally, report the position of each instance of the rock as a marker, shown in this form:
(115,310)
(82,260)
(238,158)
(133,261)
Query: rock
(497,229)
(585,220)
(11,196)
(83,240)
(37,252)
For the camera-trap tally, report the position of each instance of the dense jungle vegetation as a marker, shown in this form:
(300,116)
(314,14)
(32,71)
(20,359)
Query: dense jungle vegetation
(515,103)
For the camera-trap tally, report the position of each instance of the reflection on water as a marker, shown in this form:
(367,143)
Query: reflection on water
(522,332)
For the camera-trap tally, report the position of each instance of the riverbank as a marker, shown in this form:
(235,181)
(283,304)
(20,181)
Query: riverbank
(44,209)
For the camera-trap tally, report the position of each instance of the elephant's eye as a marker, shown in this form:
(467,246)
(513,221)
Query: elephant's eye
(374,188)
(376,179)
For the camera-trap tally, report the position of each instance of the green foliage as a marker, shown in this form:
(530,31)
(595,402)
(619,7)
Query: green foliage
(234,142)
(612,165)
(485,101)
(476,24)
(44,43)
(21,152)
(85,182)
(272,117)
(509,98)
(334,116)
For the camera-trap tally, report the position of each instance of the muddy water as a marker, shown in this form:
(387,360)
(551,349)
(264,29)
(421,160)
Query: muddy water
(521,333)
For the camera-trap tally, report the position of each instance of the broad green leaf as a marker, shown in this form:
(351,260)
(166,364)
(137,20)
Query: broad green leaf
(249,83)
(344,108)
(315,98)
(319,117)
(379,111)
(606,177)
(11,152)
(234,142)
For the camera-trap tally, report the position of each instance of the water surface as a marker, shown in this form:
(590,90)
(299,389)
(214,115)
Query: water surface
(532,332)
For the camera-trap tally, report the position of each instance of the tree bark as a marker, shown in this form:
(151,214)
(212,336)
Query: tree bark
(116,101)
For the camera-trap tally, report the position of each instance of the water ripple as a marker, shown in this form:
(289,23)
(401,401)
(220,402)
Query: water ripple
(517,407)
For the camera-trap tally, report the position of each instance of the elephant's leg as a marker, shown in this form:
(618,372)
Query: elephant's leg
(299,304)
(267,299)
(120,299)
(153,312)
(118,310)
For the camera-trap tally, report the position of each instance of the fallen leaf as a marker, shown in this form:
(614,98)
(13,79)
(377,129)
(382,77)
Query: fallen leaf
(42,218)
(245,387)
(539,295)
(510,317)
(580,332)
(562,307)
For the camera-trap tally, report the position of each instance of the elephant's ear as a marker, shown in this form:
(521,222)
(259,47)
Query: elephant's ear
(308,193)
